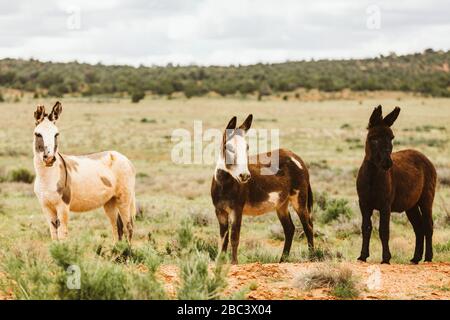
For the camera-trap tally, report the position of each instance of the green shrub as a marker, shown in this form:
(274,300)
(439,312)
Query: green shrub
(27,274)
(196,281)
(209,245)
(258,254)
(441,248)
(321,200)
(21,175)
(317,254)
(200,219)
(145,120)
(107,280)
(336,208)
(137,96)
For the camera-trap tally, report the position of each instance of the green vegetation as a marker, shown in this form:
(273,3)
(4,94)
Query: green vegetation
(332,209)
(421,72)
(168,193)
(21,175)
(196,282)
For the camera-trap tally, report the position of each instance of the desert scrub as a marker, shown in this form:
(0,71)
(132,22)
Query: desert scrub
(196,281)
(318,254)
(336,208)
(21,175)
(32,273)
(186,238)
(200,218)
(28,274)
(345,227)
(339,280)
(105,280)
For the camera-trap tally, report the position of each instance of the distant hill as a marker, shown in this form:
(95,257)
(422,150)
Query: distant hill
(427,73)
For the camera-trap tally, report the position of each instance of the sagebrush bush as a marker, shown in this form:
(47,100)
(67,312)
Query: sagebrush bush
(200,219)
(21,175)
(105,279)
(321,200)
(208,245)
(339,280)
(345,227)
(336,208)
(27,274)
(196,281)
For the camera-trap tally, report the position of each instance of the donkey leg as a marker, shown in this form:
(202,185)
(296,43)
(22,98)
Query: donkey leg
(52,220)
(63,218)
(366,231)
(236,220)
(222,217)
(301,207)
(288,228)
(111,212)
(125,216)
(427,222)
(415,218)
(385,219)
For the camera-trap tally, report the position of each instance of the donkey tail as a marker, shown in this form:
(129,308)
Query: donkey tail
(310,198)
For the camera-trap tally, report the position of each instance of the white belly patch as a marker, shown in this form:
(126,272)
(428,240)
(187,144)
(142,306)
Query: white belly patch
(263,207)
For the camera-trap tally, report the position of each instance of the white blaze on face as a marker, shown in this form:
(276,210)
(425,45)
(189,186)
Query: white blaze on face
(236,158)
(47,133)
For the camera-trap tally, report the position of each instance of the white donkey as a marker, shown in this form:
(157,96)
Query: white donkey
(80,183)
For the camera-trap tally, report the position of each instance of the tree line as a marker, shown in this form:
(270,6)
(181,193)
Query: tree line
(426,73)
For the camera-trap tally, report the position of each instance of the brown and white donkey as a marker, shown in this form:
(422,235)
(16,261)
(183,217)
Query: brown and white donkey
(80,183)
(242,186)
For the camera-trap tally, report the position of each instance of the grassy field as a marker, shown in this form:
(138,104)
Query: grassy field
(328,135)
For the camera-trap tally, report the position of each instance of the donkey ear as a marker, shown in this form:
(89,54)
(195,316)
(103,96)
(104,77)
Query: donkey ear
(56,111)
(376,118)
(391,117)
(232,124)
(247,123)
(39,114)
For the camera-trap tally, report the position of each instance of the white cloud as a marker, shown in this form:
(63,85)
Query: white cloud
(218,32)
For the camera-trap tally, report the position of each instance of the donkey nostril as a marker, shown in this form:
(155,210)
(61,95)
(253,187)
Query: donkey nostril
(244,176)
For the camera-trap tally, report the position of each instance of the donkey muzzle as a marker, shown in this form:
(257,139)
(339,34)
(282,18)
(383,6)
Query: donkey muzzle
(49,160)
(387,163)
(244,177)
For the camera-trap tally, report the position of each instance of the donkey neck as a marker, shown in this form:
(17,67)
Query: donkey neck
(47,174)
(374,174)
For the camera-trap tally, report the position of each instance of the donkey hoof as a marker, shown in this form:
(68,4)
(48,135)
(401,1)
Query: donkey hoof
(414,261)
(428,260)
(385,262)
(362,259)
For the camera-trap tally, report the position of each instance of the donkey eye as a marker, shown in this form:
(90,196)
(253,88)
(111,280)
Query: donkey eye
(57,135)
(38,135)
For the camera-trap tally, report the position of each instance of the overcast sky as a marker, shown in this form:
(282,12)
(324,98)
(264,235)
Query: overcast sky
(218,32)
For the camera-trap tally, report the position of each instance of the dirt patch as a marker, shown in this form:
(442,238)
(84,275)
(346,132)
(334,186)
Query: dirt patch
(277,281)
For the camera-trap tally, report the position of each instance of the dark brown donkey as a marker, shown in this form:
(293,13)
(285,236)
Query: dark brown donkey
(399,181)
(253,186)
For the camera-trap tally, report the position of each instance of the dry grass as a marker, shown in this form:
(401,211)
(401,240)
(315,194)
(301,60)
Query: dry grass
(339,280)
